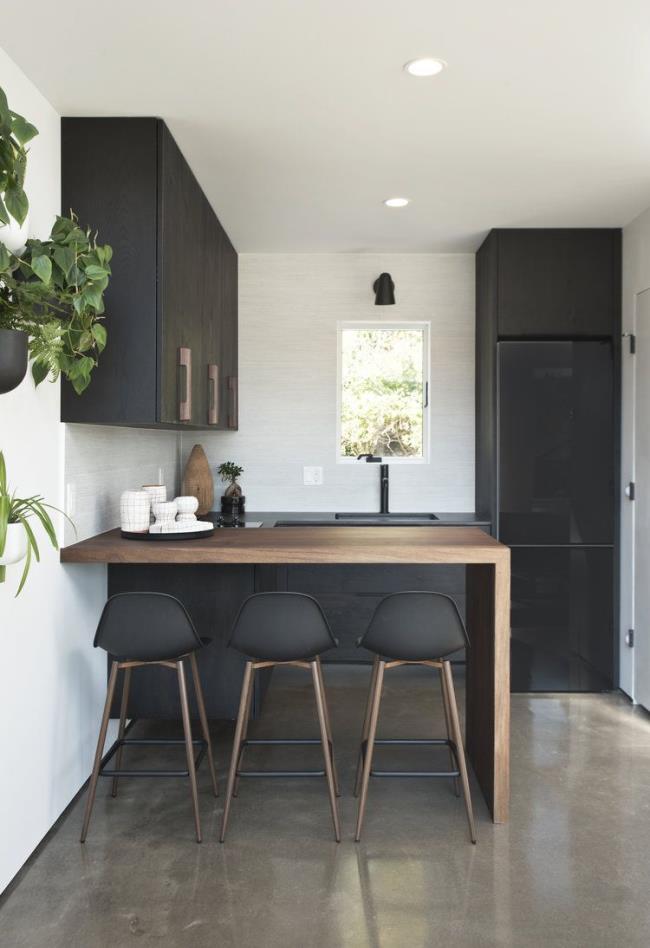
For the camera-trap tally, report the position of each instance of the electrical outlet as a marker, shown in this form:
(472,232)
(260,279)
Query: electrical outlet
(160,476)
(312,476)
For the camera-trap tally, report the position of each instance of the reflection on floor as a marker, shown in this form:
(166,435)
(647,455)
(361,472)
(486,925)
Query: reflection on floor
(571,868)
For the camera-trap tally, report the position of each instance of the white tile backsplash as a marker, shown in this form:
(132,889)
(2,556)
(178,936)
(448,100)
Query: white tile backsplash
(289,307)
(101,462)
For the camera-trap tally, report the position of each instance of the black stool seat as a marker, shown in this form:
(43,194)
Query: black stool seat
(146,627)
(415,627)
(420,628)
(281,628)
(139,629)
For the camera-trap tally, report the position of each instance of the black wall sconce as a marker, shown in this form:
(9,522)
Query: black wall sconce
(384,290)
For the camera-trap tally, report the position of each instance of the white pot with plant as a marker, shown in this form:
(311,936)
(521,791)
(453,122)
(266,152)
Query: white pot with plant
(17,537)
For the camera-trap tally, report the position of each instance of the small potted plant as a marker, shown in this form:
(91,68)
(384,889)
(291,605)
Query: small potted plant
(17,539)
(229,472)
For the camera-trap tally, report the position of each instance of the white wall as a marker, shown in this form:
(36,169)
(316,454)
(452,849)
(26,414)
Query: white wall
(52,682)
(636,279)
(289,306)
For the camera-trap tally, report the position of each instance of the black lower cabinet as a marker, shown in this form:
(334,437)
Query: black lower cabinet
(350,594)
(562,619)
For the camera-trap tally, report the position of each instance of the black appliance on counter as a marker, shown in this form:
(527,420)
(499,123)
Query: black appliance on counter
(548,350)
(555,504)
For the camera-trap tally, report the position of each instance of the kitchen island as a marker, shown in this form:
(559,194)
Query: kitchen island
(212,576)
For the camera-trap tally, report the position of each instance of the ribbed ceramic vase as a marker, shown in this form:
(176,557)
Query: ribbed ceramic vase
(197,480)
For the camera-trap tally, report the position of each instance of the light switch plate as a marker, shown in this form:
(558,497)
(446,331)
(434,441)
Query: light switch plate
(312,476)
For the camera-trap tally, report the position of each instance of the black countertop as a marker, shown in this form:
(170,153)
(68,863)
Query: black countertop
(270,518)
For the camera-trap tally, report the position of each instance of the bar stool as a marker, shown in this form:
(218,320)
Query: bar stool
(282,628)
(414,628)
(140,629)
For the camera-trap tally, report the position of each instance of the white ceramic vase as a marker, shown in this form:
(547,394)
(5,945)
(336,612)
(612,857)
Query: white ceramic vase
(157,494)
(187,507)
(165,514)
(15,545)
(14,235)
(135,511)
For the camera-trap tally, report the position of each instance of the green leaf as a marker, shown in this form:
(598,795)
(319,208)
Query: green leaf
(42,267)
(64,258)
(46,523)
(28,563)
(85,341)
(40,371)
(93,272)
(92,295)
(80,384)
(5,115)
(4,213)
(5,504)
(99,335)
(5,258)
(17,203)
(23,130)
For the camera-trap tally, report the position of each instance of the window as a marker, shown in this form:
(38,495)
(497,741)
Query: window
(383,386)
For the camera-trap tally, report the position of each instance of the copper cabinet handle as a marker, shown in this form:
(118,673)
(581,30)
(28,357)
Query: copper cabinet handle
(213,394)
(233,414)
(185,400)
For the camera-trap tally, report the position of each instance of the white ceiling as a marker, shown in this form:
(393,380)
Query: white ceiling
(298,120)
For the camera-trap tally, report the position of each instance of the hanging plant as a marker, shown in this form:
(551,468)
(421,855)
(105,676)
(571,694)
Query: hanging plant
(52,290)
(15,132)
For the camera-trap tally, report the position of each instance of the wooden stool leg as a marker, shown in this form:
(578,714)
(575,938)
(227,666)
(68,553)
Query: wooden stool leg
(448,730)
(189,749)
(372,733)
(448,683)
(328,724)
(198,690)
(234,760)
(92,786)
(325,741)
(244,735)
(366,723)
(126,685)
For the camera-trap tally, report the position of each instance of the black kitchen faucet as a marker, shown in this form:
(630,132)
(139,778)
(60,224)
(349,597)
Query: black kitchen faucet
(383,480)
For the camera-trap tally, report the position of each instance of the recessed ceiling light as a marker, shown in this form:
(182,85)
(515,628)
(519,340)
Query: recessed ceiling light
(396,202)
(425,68)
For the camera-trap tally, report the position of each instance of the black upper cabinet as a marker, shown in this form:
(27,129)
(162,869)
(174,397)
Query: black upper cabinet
(171,306)
(557,282)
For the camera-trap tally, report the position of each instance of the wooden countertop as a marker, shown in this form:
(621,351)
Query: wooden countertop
(299,545)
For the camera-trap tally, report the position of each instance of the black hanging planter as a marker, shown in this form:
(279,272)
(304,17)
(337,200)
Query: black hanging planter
(13,358)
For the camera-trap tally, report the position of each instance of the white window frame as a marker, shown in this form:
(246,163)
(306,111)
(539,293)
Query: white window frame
(421,325)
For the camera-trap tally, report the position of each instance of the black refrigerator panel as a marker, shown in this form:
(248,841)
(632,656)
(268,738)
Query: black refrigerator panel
(562,619)
(555,436)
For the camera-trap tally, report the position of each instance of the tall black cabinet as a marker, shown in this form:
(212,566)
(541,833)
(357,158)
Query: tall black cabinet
(547,403)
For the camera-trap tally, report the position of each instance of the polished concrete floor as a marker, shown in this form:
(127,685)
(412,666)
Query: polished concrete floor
(571,868)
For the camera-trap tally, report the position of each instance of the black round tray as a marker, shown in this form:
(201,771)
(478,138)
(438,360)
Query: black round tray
(192,535)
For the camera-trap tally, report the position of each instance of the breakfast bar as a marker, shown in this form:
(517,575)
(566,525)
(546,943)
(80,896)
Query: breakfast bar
(212,576)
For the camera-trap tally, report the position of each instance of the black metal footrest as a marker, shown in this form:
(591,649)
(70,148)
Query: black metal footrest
(404,741)
(145,741)
(271,741)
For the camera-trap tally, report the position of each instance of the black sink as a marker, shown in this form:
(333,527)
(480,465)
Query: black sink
(383,518)
(365,520)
